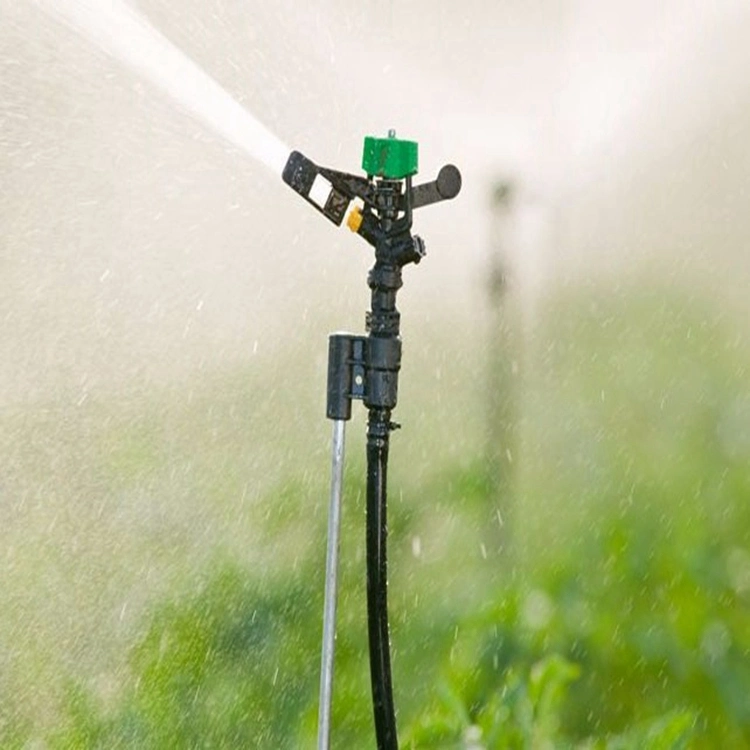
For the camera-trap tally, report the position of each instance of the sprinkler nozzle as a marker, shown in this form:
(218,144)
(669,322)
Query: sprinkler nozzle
(306,178)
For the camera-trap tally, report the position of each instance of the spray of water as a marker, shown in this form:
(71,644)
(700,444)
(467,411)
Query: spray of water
(126,35)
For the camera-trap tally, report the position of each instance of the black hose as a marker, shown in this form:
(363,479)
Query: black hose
(377,580)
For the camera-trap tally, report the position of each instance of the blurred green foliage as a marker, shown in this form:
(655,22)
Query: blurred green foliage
(618,618)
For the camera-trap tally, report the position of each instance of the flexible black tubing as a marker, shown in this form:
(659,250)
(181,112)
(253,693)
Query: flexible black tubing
(377,581)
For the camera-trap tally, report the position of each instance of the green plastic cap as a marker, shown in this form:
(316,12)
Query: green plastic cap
(389,157)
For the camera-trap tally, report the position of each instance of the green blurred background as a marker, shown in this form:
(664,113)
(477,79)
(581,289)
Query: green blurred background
(596,596)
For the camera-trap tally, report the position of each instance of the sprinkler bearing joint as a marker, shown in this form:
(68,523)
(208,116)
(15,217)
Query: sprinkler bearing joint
(367,368)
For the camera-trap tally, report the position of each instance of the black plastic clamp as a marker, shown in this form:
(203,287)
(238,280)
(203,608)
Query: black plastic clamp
(362,367)
(346,373)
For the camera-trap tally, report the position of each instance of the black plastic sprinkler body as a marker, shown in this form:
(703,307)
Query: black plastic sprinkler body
(366,368)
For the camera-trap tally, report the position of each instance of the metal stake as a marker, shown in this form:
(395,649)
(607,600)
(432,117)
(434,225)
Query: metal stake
(331,586)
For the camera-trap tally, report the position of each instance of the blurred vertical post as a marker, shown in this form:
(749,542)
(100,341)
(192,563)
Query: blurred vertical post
(503,365)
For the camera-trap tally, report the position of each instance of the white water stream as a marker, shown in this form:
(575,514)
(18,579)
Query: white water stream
(122,32)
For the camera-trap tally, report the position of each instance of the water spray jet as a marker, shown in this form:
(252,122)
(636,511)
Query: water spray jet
(366,368)
(127,36)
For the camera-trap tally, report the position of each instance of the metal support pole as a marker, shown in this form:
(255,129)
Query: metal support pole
(502,403)
(331,586)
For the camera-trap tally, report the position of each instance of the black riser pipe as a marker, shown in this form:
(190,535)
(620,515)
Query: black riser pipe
(377,581)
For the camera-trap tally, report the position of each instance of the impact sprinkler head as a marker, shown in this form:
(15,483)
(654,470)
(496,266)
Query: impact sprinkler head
(389,163)
(367,368)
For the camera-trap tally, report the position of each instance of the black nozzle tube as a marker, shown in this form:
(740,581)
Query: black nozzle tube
(301,174)
(377,581)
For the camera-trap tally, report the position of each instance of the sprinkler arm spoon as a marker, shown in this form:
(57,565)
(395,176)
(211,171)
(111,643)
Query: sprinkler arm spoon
(446,187)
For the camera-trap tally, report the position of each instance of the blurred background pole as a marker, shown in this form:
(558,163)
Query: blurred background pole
(503,378)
